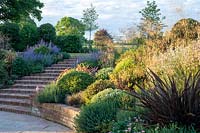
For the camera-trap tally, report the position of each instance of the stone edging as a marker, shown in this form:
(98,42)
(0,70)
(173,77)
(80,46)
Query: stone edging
(58,113)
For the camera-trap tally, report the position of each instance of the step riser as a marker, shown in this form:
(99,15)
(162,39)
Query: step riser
(57,68)
(48,74)
(15,97)
(15,103)
(63,65)
(68,62)
(53,71)
(39,78)
(16,111)
(32,86)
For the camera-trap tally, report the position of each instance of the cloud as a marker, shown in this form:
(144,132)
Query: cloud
(116,14)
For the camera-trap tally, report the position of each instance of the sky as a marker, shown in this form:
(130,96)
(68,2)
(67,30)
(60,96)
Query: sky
(118,14)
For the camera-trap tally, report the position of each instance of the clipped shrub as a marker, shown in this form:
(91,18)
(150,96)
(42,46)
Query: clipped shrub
(65,55)
(69,43)
(36,68)
(95,88)
(20,67)
(96,118)
(47,32)
(119,97)
(127,73)
(51,94)
(57,58)
(42,50)
(75,81)
(104,73)
(75,99)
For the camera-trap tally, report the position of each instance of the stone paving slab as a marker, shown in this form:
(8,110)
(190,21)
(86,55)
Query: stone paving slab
(18,123)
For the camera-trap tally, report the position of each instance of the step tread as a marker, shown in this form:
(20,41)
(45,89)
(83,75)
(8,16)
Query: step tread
(16,100)
(34,80)
(31,85)
(17,89)
(16,109)
(14,94)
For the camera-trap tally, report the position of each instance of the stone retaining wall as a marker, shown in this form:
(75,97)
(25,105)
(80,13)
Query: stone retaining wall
(58,113)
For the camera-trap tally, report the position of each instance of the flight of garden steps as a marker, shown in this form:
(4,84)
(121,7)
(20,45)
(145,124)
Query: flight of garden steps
(17,98)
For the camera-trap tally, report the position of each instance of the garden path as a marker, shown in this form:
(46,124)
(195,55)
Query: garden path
(20,123)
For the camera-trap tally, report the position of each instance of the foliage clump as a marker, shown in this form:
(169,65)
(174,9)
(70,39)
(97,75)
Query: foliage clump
(163,103)
(96,118)
(104,73)
(74,81)
(97,86)
(122,99)
(51,94)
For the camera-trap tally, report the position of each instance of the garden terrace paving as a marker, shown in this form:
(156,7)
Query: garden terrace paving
(19,123)
(17,98)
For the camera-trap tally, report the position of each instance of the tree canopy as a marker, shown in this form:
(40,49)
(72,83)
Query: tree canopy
(102,38)
(70,26)
(14,10)
(151,21)
(47,32)
(89,19)
(186,29)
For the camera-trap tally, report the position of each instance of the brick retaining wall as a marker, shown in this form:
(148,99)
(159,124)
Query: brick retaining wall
(57,113)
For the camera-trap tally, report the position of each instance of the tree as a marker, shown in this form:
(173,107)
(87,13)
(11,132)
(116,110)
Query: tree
(89,19)
(102,38)
(47,32)
(151,24)
(11,30)
(70,26)
(28,35)
(104,41)
(186,29)
(14,10)
(69,43)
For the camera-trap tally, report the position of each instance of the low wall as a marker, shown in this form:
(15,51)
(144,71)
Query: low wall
(58,113)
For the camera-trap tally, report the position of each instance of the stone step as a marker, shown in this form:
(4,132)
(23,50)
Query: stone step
(68,62)
(63,65)
(32,82)
(16,102)
(28,86)
(14,95)
(46,78)
(46,74)
(57,68)
(71,59)
(53,71)
(18,91)
(16,109)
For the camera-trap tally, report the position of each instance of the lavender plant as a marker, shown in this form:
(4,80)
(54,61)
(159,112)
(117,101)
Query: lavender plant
(46,57)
